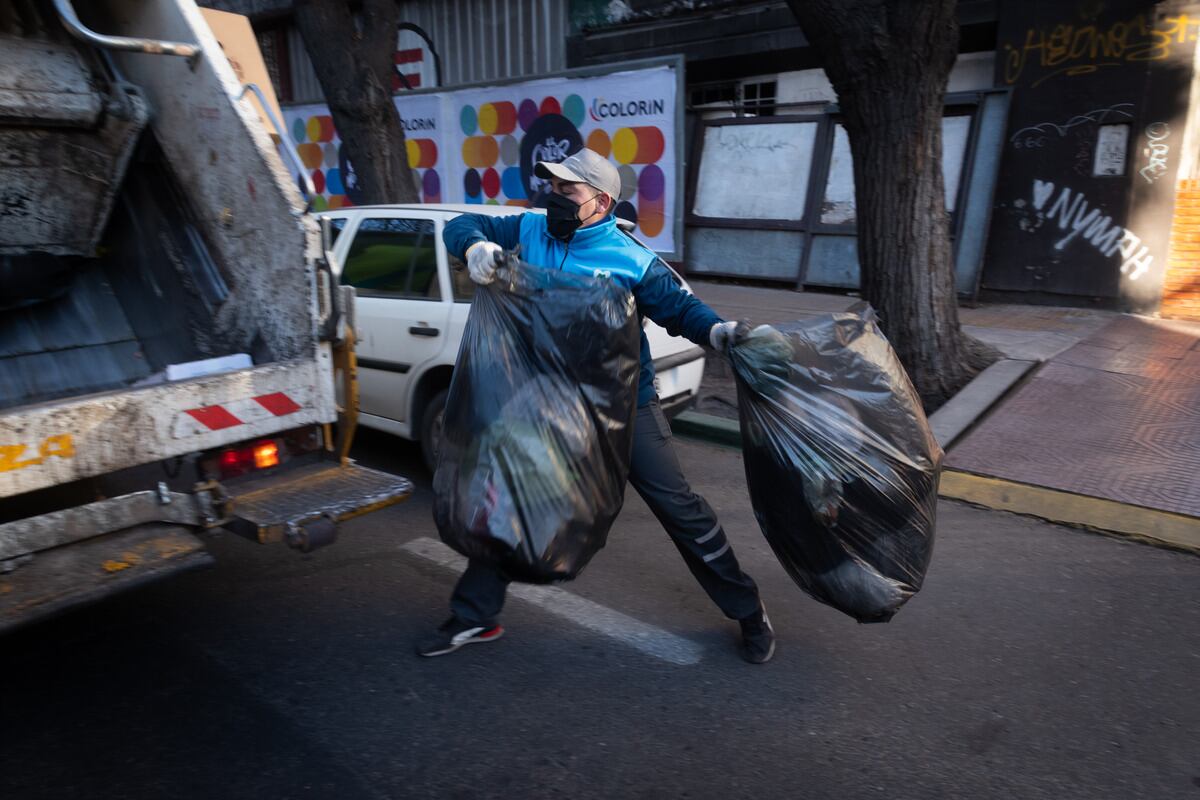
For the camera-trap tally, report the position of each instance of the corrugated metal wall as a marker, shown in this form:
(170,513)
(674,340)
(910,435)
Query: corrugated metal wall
(305,88)
(478,40)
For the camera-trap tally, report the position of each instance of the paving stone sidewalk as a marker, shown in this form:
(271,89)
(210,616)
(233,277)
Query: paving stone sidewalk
(1116,416)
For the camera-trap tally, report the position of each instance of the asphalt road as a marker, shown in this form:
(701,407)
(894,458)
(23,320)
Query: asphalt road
(1038,662)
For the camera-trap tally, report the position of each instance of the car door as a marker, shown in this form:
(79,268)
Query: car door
(403,315)
(462,289)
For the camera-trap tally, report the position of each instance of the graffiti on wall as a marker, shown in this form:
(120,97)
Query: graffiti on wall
(1033,137)
(1084,222)
(1099,137)
(1070,49)
(1155,151)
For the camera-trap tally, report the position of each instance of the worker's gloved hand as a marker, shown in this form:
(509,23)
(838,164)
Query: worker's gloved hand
(725,335)
(481,261)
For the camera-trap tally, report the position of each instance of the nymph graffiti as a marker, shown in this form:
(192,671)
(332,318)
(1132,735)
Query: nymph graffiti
(1072,213)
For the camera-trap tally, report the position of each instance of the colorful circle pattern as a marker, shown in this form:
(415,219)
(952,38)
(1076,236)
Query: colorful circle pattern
(492,154)
(494,141)
(319,148)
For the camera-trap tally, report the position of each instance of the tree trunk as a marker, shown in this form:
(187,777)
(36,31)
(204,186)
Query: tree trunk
(354,63)
(889,61)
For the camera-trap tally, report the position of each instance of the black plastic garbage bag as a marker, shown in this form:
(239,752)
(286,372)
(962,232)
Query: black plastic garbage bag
(841,464)
(538,429)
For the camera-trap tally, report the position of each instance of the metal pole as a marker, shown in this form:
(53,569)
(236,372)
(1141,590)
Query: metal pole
(288,147)
(66,13)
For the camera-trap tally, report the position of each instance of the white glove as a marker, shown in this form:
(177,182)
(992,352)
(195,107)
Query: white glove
(481,261)
(721,336)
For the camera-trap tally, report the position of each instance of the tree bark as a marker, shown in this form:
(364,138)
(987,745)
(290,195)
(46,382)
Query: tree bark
(889,62)
(354,64)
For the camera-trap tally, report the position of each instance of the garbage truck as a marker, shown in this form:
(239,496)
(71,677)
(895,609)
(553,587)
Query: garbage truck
(175,356)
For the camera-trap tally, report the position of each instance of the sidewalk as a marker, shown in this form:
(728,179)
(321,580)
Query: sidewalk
(1093,417)
(1023,333)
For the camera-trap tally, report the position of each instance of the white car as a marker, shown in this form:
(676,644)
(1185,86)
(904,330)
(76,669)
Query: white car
(412,307)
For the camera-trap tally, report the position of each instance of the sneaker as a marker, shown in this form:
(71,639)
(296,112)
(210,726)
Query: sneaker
(453,634)
(758,637)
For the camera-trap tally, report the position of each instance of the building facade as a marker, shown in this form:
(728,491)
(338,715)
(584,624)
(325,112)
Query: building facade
(1071,135)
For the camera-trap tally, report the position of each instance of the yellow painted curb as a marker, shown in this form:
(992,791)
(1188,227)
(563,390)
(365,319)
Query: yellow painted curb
(1145,524)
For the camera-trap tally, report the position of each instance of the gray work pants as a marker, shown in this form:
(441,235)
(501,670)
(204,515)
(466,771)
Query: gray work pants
(654,472)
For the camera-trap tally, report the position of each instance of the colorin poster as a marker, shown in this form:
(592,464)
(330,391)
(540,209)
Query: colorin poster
(321,151)
(479,145)
(500,132)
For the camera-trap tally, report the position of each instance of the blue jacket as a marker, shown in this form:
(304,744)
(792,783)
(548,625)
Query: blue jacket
(599,247)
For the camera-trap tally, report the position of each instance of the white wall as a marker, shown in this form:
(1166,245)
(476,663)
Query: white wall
(809,90)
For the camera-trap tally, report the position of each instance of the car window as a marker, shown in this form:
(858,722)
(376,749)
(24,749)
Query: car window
(393,257)
(460,279)
(336,225)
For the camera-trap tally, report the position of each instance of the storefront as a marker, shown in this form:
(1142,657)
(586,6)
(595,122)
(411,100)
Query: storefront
(1071,134)
(1070,147)
(771,197)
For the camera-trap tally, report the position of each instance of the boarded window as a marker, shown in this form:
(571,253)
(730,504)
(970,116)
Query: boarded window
(837,203)
(755,172)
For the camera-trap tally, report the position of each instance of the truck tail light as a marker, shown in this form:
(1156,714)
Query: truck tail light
(266,454)
(247,458)
(241,460)
(231,462)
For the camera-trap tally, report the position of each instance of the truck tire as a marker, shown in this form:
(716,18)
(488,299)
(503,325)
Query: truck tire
(431,428)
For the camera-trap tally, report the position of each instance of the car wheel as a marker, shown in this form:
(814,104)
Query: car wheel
(431,428)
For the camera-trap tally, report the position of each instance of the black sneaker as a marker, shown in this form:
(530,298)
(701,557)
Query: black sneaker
(453,634)
(758,637)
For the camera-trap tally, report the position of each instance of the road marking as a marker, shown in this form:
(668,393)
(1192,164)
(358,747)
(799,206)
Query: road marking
(625,629)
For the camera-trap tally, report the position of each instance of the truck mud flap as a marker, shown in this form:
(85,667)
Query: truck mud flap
(303,506)
(54,580)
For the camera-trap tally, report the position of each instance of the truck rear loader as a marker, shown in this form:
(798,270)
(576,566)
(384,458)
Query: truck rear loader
(174,354)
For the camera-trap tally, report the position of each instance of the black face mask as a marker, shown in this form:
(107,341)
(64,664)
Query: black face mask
(562,217)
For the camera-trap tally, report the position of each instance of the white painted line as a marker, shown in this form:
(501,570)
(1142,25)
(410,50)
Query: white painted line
(625,629)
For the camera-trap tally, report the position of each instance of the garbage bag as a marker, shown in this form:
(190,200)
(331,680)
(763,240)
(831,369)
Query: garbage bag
(841,463)
(538,427)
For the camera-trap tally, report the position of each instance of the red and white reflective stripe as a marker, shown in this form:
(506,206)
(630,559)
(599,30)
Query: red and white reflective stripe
(239,412)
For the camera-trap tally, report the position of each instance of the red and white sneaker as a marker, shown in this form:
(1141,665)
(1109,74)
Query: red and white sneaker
(453,634)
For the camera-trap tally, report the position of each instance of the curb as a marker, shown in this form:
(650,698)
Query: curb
(1147,525)
(707,428)
(960,413)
